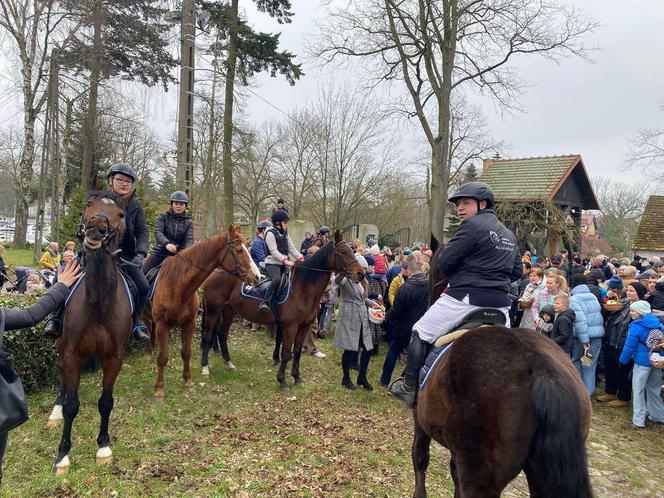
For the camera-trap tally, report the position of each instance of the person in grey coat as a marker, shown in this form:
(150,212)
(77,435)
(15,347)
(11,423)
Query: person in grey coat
(352,332)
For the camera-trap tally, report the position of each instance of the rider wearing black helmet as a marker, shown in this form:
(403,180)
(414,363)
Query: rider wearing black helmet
(322,237)
(480,261)
(173,231)
(279,245)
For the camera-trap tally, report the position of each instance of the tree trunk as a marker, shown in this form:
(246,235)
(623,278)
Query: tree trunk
(227,213)
(24,174)
(90,138)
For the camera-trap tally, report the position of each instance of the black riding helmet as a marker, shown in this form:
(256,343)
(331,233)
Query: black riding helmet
(180,196)
(279,215)
(324,230)
(479,191)
(123,169)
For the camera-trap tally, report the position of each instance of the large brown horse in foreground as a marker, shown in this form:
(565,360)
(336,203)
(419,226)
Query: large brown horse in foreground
(175,300)
(96,322)
(222,300)
(504,400)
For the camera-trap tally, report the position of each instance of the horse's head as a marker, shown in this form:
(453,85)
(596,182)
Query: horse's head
(102,223)
(345,260)
(235,258)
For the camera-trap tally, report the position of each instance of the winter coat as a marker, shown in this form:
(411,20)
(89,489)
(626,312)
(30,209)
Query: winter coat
(49,261)
(380,266)
(616,324)
(409,306)
(15,318)
(588,323)
(393,272)
(481,255)
(396,284)
(562,332)
(656,298)
(136,237)
(637,334)
(331,293)
(353,317)
(171,228)
(258,250)
(275,256)
(306,244)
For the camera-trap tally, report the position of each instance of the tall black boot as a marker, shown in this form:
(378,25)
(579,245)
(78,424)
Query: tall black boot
(417,354)
(365,356)
(266,303)
(345,365)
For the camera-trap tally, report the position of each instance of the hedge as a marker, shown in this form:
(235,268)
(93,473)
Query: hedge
(35,357)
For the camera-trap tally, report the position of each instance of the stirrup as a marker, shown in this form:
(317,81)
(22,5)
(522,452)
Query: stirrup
(264,306)
(139,333)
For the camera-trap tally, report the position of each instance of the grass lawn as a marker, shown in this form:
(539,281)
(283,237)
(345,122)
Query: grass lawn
(18,257)
(237,434)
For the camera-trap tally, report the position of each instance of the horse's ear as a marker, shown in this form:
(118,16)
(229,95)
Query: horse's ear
(337,236)
(231,230)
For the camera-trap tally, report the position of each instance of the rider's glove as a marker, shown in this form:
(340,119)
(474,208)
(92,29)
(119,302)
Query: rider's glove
(138,260)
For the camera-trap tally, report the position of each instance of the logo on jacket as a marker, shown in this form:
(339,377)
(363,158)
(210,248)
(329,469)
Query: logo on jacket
(495,238)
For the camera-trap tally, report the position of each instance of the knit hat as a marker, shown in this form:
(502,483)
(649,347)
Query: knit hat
(640,289)
(641,307)
(370,260)
(577,260)
(362,261)
(374,250)
(596,276)
(578,279)
(615,282)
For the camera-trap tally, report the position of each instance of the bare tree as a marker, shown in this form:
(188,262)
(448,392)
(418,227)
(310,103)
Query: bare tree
(646,152)
(437,48)
(11,150)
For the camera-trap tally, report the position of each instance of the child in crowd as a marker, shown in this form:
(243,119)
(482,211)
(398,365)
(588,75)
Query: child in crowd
(562,332)
(547,314)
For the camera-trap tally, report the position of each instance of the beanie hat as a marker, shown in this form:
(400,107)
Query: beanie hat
(361,261)
(578,279)
(374,249)
(370,260)
(596,276)
(577,260)
(640,289)
(615,282)
(641,307)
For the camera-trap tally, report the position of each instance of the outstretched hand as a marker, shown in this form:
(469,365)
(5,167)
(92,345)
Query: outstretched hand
(70,274)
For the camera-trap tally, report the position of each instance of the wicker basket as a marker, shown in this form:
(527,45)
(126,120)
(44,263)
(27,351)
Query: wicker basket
(613,306)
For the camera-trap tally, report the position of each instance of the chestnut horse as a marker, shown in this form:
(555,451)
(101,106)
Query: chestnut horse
(175,300)
(96,322)
(504,400)
(222,300)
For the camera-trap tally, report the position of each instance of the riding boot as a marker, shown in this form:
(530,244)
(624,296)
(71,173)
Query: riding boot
(345,365)
(139,331)
(266,303)
(53,327)
(404,389)
(365,356)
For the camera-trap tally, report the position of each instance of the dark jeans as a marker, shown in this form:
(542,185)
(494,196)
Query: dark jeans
(274,272)
(3,445)
(397,345)
(617,375)
(156,257)
(135,273)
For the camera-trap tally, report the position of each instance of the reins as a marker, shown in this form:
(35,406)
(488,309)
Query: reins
(238,267)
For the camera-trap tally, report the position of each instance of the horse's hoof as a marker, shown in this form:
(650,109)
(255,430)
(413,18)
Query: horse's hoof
(61,468)
(56,417)
(159,393)
(104,456)
(284,386)
(230,365)
(205,371)
(298,380)
(189,384)
(276,363)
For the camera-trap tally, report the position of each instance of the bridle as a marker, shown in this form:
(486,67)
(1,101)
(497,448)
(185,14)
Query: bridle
(338,260)
(106,239)
(229,249)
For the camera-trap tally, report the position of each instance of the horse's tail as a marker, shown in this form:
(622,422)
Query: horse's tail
(559,441)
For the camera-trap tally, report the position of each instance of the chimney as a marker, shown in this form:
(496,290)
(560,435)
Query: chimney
(485,165)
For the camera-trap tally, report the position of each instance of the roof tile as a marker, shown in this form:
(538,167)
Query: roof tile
(650,234)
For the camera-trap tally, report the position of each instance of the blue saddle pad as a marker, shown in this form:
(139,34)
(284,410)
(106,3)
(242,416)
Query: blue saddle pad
(131,291)
(432,360)
(258,291)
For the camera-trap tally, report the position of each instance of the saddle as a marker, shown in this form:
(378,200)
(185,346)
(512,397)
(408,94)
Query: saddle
(152,278)
(128,284)
(482,317)
(259,290)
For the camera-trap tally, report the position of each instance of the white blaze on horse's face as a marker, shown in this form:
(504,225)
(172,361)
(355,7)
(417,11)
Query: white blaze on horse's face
(254,269)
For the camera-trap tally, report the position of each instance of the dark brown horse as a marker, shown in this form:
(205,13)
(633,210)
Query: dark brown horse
(222,300)
(504,400)
(175,300)
(96,322)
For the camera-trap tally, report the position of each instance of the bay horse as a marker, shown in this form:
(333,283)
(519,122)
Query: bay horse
(175,299)
(504,400)
(96,322)
(222,300)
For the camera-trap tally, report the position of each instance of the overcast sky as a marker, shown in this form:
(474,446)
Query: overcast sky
(572,107)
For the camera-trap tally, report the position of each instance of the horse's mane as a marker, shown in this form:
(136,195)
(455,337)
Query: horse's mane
(198,254)
(107,194)
(317,261)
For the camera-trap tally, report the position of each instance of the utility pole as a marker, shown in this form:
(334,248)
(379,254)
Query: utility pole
(184,176)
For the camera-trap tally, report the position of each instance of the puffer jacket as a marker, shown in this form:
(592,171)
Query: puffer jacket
(171,228)
(588,323)
(656,298)
(635,345)
(409,306)
(136,236)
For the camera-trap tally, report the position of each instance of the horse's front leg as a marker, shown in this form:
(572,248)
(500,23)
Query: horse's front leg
(56,416)
(105,406)
(297,353)
(72,377)
(162,332)
(187,336)
(286,347)
(420,455)
(277,344)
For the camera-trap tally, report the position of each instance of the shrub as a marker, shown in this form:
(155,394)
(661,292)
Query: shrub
(35,357)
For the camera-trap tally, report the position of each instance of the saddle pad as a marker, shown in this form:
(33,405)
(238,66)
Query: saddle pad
(256,292)
(432,360)
(153,285)
(125,284)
